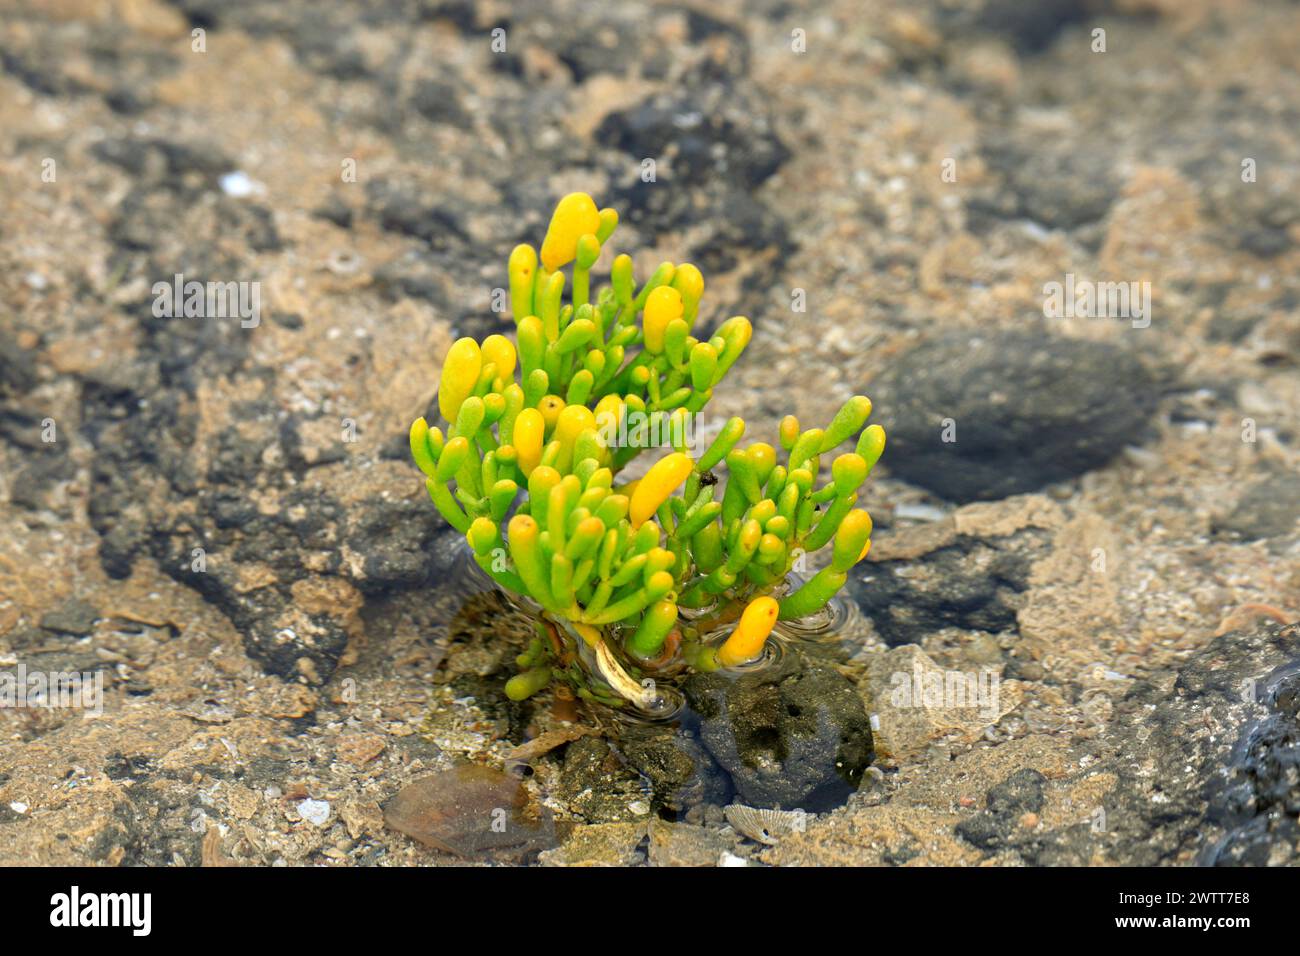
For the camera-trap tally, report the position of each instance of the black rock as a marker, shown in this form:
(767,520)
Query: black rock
(706,141)
(1018,410)
(1266,243)
(1018,794)
(1211,770)
(792,736)
(1060,186)
(681,772)
(971,584)
(1022,792)
(983,830)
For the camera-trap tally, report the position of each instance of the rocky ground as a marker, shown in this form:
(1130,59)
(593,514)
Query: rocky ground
(222,521)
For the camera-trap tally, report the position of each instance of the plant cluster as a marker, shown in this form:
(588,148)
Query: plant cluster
(625,575)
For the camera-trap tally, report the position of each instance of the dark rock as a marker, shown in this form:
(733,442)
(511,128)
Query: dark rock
(1058,185)
(792,736)
(1268,509)
(982,830)
(394,536)
(1018,794)
(596,783)
(438,102)
(72,617)
(606,45)
(403,210)
(711,140)
(1031,27)
(127,101)
(22,428)
(1211,772)
(1027,410)
(1022,792)
(1256,217)
(162,159)
(44,465)
(1266,243)
(17,365)
(335,210)
(971,584)
(681,772)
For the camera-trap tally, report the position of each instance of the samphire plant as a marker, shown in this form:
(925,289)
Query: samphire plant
(632,579)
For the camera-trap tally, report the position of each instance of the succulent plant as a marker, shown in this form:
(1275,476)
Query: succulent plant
(627,578)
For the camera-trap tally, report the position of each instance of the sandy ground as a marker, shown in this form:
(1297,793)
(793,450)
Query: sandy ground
(221,521)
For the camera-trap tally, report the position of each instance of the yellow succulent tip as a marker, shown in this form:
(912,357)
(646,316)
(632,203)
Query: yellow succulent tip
(746,642)
(460,371)
(500,351)
(530,430)
(575,216)
(550,406)
(662,306)
(608,412)
(659,482)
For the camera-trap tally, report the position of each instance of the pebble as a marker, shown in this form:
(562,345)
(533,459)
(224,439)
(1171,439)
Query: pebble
(315,812)
(237,184)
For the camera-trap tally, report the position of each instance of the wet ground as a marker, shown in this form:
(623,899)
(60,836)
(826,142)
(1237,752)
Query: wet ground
(222,522)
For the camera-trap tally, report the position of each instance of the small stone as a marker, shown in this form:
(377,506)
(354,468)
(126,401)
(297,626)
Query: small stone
(600,844)
(681,844)
(360,749)
(237,184)
(315,812)
(72,617)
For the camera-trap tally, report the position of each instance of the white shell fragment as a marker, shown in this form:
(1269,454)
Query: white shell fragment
(315,812)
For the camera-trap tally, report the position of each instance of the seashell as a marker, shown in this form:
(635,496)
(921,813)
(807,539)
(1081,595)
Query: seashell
(765,826)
